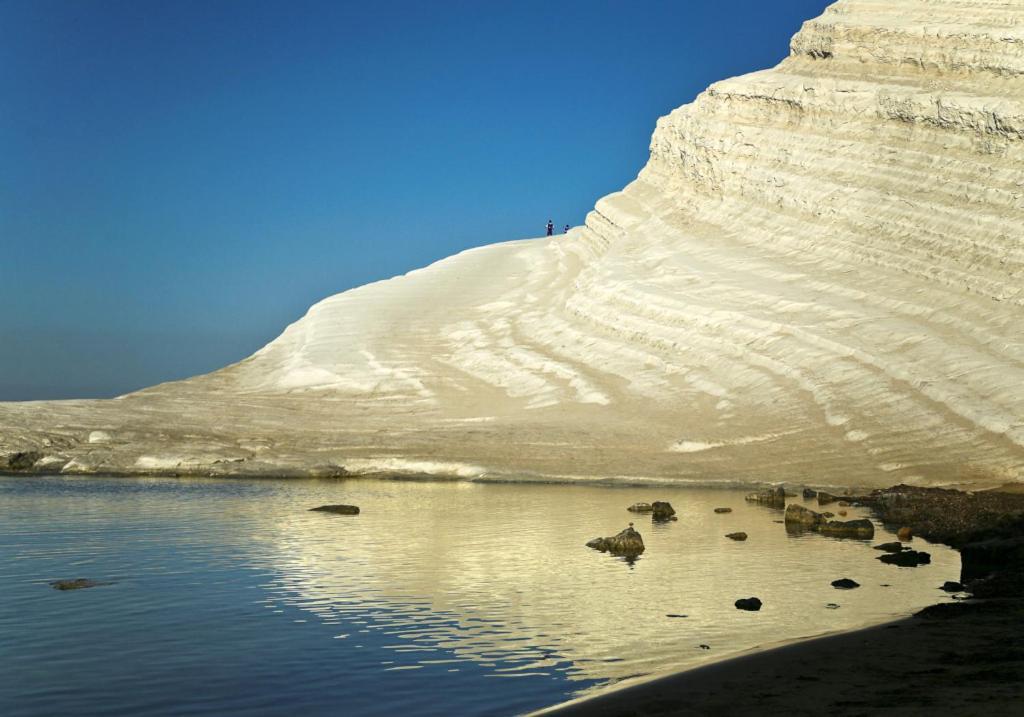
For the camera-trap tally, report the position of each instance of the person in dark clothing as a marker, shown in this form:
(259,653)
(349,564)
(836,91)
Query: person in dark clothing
(551,227)
(566,230)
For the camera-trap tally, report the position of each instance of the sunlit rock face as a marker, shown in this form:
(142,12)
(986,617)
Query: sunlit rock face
(818,276)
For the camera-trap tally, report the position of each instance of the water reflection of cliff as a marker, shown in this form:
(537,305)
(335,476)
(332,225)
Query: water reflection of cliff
(499,575)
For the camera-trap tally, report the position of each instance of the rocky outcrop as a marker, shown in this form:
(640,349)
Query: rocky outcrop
(628,543)
(662,511)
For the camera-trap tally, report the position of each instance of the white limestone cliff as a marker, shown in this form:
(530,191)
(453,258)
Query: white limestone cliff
(818,277)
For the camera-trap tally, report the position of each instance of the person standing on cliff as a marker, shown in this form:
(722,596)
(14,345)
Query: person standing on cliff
(566,230)
(551,227)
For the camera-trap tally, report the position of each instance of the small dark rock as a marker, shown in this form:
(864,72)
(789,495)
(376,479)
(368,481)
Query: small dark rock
(826,498)
(952,587)
(737,536)
(832,606)
(641,508)
(723,510)
(892,547)
(675,615)
(845,584)
(752,604)
(704,647)
(907,558)
(338,509)
(905,534)
(76,584)
(844,504)
(808,493)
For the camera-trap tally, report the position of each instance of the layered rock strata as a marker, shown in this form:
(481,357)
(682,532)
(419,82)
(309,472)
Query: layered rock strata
(818,277)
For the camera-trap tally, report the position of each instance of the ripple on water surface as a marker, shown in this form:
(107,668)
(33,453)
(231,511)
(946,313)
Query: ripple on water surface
(230,597)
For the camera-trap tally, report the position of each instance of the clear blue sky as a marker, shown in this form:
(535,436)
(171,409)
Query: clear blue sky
(180,180)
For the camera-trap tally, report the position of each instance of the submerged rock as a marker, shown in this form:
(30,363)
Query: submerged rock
(628,543)
(723,510)
(845,584)
(951,587)
(76,584)
(808,493)
(663,510)
(862,528)
(892,547)
(736,536)
(338,509)
(752,604)
(641,508)
(907,558)
(773,497)
(803,518)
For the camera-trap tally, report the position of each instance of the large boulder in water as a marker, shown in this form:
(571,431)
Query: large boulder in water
(662,510)
(773,497)
(628,543)
(862,528)
(801,518)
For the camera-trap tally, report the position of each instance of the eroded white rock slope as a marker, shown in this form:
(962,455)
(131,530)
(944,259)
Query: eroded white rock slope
(818,276)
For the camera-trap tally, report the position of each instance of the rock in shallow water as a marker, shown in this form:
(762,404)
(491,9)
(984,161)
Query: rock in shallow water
(845,584)
(628,543)
(951,587)
(907,558)
(892,547)
(862,528)
(663,510)
(641,508)
(800,517)
(752,604)
(76,584)
(773,497)
(737,536)
(723,510)
(338,509)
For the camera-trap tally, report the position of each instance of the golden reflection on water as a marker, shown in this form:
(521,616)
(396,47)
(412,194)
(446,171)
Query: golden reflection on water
(499,575)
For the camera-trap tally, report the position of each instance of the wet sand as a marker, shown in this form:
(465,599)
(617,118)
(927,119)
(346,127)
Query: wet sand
(963,659)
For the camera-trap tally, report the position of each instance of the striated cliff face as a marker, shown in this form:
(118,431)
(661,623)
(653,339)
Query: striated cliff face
(818,277)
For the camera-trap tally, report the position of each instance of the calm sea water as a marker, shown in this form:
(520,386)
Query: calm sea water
(229,597)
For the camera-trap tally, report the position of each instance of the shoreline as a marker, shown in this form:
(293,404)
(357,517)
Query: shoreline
(951,658)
